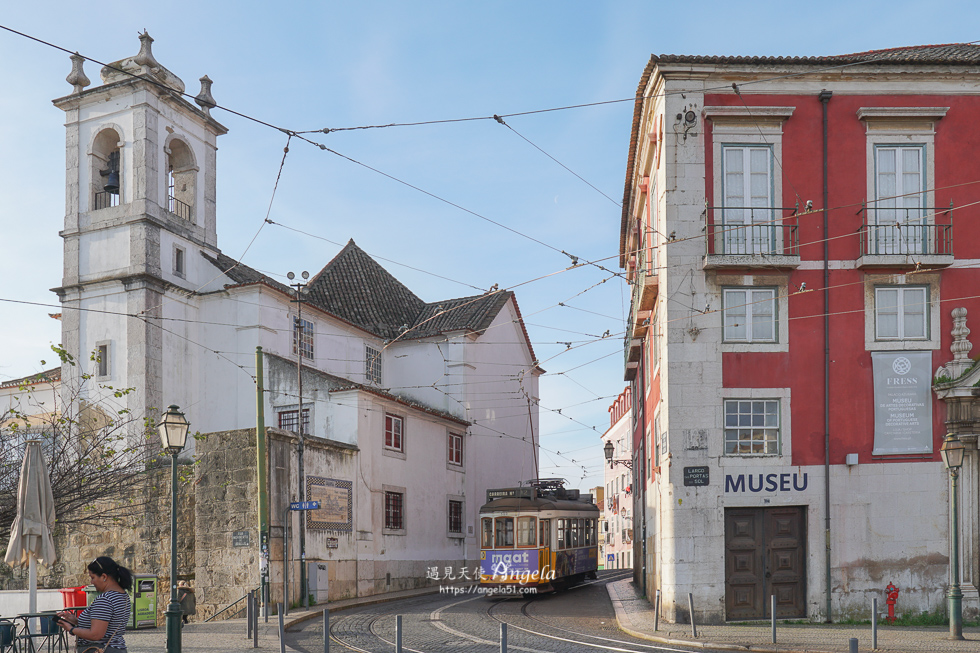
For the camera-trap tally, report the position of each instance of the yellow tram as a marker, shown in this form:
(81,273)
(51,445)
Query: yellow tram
(537,538)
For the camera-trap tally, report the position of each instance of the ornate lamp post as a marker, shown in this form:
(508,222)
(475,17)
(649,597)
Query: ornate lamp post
(173,434)
(608,450)
(952,452)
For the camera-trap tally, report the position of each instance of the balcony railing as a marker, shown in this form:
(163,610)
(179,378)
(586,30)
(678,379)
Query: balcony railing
(178,208)
(105,199)
(752,231)
(918,231)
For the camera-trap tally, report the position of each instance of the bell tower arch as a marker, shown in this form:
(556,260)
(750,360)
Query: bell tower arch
(140,189)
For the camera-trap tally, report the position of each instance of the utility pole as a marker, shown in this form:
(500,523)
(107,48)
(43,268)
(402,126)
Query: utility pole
(298,332)
(263,486)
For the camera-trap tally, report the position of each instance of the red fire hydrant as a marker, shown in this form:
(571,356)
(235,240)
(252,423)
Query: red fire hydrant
(892,593)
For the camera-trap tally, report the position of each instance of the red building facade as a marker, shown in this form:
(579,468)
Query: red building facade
(798,233)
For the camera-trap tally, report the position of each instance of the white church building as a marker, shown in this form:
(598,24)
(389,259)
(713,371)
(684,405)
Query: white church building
(393,405)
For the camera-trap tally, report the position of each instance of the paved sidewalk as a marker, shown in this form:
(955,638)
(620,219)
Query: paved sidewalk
(229,636)
(635,616)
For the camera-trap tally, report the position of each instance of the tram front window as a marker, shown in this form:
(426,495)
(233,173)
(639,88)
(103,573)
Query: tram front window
(525,531)
(487,530)
(504,532)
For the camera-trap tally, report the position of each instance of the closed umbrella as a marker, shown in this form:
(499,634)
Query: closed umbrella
(30,534)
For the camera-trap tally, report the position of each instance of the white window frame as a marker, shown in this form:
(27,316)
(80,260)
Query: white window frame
(716,446)
(755,231)
(767,408)
(396,452)
(462,518)
(300,330)
(929,280)
(747,308)
(901,127)
(738,126)
(372,365)
(385,489)
(103,362)
(180,261)
(908,301)
(779,284)
(452,464)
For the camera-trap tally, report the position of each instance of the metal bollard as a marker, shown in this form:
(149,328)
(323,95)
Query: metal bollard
(656,613)
(852,645)
(255,619)
(398,634)
(326,630)
(874,624)
(690,605)
(772,610)
(503,638)
(282,631)
(248,616)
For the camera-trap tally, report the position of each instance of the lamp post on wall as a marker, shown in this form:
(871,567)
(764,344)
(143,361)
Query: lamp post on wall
(608,450)
(952,452)
(173,434)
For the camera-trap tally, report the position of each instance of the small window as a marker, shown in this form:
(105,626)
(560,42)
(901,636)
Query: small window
(504,530)
(544,532)
(179,263)
(372,365)
(455,449)
(289,420)
(560,544)
(751,426)
(101,355)
(394,511)
(303,337)
(749,314)
(456,517)
(487,530)
(525,531)
(902,313)
(394,433)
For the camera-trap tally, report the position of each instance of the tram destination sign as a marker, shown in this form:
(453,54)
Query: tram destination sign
(510,493)
(696,476)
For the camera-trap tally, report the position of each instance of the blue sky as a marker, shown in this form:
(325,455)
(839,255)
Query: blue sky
(306,65)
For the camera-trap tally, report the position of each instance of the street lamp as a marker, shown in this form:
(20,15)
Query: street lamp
(608,450)
(952,452)
(173,434)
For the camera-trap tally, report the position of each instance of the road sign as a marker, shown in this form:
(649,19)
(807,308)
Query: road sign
(304,505)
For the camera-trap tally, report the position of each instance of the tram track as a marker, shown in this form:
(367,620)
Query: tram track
(437,619)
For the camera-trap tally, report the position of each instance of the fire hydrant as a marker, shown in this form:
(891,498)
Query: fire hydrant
(892,592)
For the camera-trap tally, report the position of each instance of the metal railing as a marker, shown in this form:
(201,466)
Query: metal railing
(241,608)
(104,200)
(178,208)
(890,231)
(752,231)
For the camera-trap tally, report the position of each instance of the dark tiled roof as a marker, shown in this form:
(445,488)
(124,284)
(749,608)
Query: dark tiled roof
(243,275)
(355,287)
(471,313)
(47,376)
(957,54)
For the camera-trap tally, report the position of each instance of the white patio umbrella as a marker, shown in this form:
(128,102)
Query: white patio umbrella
(30,534)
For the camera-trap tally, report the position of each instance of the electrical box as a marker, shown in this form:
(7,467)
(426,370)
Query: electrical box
(317,581)
(852,459)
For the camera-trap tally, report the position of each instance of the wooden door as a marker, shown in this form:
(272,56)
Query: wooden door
(765,556)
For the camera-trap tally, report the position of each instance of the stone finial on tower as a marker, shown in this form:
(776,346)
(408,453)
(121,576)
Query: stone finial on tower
(145,55)
(77,77)
(960,347)
(204,99)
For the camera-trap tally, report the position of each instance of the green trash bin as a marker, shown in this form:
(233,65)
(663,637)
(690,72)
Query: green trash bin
(144,596)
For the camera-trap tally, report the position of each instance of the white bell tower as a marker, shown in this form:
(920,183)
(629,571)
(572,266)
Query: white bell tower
(140,206)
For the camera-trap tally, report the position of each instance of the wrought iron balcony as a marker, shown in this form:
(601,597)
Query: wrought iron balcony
(178,208)
(746,236)
(906,237)
(104,199)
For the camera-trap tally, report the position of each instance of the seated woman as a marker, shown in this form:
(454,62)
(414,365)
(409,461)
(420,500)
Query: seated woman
(103,623)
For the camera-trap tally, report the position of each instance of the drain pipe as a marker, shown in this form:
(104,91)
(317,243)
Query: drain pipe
(825,96)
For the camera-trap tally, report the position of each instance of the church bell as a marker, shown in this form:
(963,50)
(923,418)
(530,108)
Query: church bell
(112,172)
